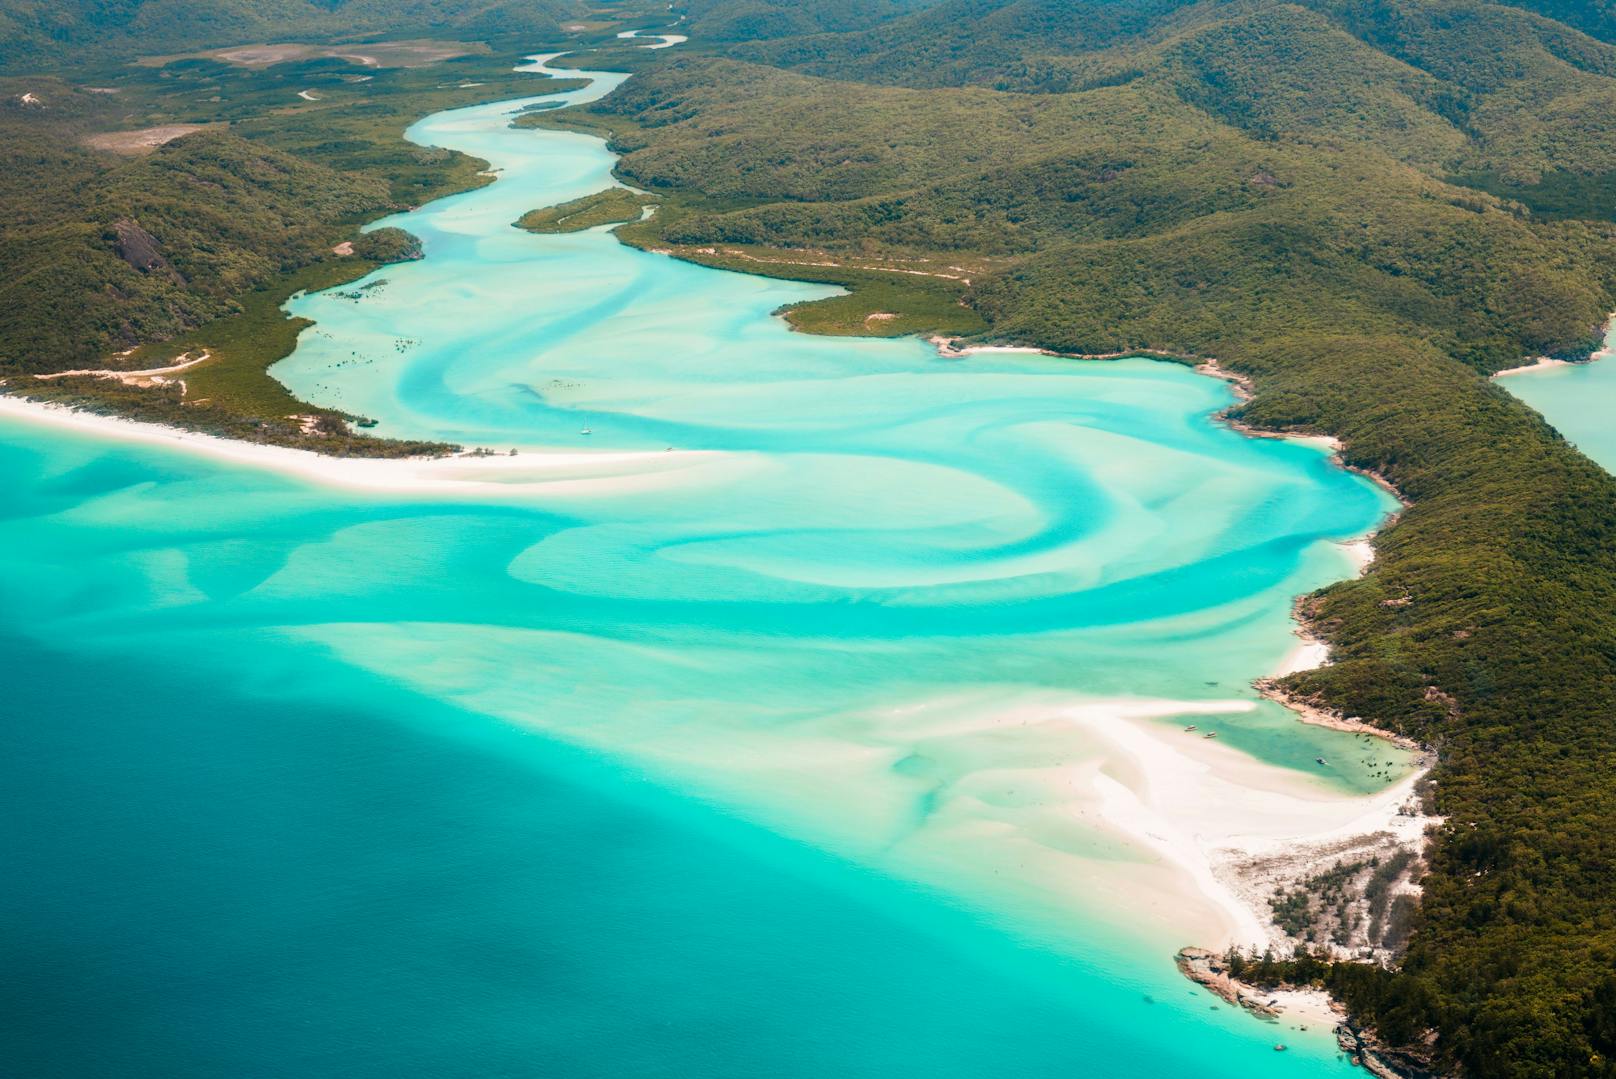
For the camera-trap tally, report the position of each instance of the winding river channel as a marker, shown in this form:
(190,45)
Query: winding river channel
(785,706)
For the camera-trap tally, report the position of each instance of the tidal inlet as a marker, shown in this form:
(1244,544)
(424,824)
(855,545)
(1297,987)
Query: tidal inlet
(760,704)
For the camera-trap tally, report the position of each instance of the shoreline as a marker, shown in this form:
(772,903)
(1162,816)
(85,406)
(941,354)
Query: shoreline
(1605,351)
(1255,872)
(948,349)
(1244,390)
(1310,1008)
(1542,363)
(1315,716)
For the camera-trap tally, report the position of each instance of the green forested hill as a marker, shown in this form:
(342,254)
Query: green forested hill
(1596,17)
(757,20)
(50,33)
(1309,192)
(138,251)
(1004,174)
(964,41)
(1445,83)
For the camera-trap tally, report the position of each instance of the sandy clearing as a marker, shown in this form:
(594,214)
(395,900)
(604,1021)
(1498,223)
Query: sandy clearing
(415,53)
(143,140)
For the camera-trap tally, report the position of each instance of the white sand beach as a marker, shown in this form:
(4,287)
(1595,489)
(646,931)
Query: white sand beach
(1542,363)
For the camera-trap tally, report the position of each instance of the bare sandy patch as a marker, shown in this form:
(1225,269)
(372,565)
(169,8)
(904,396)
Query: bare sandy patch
(417,53)
(153,376)
(142,141)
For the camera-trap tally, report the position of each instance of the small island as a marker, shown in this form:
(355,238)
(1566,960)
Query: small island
(614,206)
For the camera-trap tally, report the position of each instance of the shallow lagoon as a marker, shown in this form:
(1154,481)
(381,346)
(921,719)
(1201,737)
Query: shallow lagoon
(805,748)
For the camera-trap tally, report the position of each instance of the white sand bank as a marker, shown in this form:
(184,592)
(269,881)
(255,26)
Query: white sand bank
(1212,813)
(531,471)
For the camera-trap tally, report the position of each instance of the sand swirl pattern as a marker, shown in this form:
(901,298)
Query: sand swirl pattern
(876,531)
(897,648)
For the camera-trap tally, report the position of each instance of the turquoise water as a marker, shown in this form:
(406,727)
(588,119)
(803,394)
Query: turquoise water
(768,734)
(1578,399)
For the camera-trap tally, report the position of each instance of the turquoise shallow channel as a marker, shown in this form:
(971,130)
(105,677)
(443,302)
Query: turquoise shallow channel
(818,712)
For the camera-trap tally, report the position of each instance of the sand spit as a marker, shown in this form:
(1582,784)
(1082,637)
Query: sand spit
(526,473)
(1240,830)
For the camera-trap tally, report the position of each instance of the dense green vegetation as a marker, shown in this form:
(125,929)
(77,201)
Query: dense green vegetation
(140,250)
(920,298)
(1559,193)
(876,305)
(753,20)
(1275,185)
(52,33)
(610,207)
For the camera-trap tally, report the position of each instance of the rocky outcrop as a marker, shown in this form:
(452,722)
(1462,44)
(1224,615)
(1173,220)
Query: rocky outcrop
(1366,1051)
(1210,970)
(140,249)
